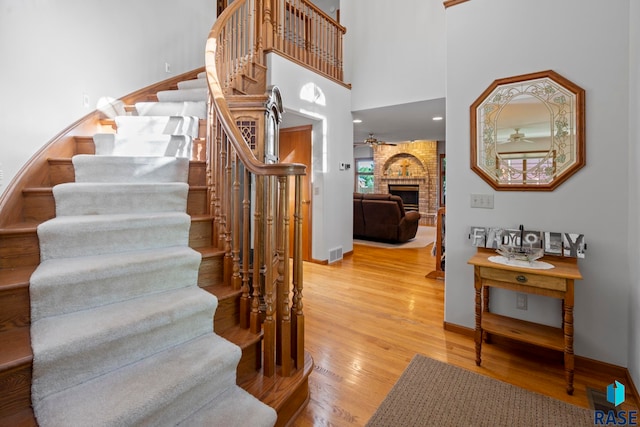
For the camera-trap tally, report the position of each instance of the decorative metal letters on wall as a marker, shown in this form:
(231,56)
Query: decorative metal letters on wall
(554,243)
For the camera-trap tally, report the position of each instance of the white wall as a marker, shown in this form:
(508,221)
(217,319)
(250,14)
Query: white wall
(54,52)
(634,193)
(587,43)
(400,51)
(332,201)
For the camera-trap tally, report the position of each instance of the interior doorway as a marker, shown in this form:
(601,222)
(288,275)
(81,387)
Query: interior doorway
(295,147)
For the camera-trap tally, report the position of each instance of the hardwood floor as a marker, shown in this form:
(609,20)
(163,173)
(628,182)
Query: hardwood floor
(366,317)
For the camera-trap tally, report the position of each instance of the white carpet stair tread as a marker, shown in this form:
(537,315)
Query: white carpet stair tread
(89,168)
(65,285)
(223,411)
(195,94)
(115,144)
(157,390)
(154,125)
(76,347)
(202,75)
(74,236)
(172,108)
(192,84)
(101,198)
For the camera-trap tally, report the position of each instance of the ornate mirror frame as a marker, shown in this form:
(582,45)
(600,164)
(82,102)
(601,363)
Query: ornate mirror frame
(527,132)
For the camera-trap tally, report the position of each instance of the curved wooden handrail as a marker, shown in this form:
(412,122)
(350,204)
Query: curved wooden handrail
(224,113)
(449,3)
(333,22)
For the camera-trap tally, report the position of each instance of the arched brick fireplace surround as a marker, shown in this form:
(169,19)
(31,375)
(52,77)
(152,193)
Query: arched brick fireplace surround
(410,164)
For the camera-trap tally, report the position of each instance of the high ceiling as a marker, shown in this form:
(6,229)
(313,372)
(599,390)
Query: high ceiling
(402,123)
(395,123)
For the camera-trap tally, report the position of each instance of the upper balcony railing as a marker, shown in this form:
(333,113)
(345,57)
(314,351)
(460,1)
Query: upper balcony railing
(305,34)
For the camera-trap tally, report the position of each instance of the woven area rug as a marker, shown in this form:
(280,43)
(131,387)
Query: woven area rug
(433,393)
(424,237)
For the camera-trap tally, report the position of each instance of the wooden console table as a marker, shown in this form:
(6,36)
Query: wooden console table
(556,283)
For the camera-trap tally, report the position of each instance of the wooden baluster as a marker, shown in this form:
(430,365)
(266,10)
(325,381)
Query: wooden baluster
(227,215)
(252,36)
(283,276)
(297,324)
(269,325)
(340,53)
(236,279)
(288,23)
(245,299)
(209,152)
(280,24)
(258,255)
(314,41)
(300,31)
(325,47)
(258,31)
(334,41)
(215,164)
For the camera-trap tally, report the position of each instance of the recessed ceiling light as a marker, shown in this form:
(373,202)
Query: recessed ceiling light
(357,121)
(436,118)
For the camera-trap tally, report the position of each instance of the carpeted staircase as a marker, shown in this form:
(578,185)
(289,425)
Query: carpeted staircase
(121,333)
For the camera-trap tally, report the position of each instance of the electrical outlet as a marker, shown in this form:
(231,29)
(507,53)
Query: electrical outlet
(342,166)
(85,100)
(521,301)
(167,67)
(482,201)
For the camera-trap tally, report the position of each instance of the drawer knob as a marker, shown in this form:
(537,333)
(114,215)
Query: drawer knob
(521,279)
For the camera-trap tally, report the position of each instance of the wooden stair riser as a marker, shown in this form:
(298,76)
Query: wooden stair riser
(19,249)
(85,145)
(197,203)
(39,205)
(250,361)
(259,71)
(15,384)
(251,86)
(227,314)
(15,308)
(61,171)
(197,173)
(200,233)
(210,272)
(254,80)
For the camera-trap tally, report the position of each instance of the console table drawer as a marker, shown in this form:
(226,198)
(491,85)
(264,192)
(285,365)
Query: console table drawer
(525,279)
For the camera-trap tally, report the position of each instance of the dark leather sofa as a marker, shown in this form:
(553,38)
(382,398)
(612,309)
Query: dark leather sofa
(382,217)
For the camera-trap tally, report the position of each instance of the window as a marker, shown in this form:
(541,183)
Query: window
(364,176)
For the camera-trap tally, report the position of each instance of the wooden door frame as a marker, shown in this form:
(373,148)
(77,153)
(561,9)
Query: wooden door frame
(308,127)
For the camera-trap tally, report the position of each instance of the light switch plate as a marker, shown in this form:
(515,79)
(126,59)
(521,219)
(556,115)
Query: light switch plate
(484,201)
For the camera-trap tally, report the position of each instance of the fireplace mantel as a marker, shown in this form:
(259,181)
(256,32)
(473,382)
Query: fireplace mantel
(405,179)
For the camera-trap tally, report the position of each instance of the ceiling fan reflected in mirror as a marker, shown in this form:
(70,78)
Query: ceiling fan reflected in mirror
(517,136)
(371,141)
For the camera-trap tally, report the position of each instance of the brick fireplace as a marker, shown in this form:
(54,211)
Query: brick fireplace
(410,165)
